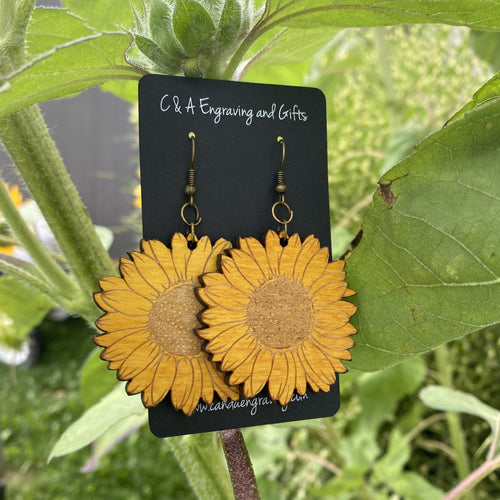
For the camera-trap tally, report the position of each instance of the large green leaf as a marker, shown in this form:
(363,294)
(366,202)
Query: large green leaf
(112,410)
(64,57)
(68,69)
(427,269)
(480,14)
(490,90)
(103,14)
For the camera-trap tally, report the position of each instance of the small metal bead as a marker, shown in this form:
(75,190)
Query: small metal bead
(190,190)
(280,188)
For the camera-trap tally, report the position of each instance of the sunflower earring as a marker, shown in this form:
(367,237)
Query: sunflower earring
(151,317)
(275,313)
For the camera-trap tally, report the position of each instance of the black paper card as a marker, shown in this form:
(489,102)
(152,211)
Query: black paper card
(237,158)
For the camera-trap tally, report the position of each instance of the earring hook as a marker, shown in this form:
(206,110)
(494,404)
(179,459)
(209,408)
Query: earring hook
(190,191)
(281,190)
(282,142)
(192,136)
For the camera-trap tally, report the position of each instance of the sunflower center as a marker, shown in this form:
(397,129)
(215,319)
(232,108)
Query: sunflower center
(280,313)
(173,319)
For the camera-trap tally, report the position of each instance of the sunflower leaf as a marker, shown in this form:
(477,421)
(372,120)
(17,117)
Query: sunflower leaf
(481,14)
(65,56)
(110,411)
(427,270)
(104,14)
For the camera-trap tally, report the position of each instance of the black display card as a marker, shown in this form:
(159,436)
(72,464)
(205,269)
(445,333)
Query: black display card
(237,159)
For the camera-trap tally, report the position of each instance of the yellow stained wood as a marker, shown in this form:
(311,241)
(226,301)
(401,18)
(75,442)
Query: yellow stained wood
(150,322)
(262,316)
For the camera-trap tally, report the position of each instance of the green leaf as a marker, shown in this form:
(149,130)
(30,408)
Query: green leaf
(229,25)
(6,15)
(112,437)
(411,486)
(389,386)
(480,14)
(49,28)
(490,90)
(444,398)
(95,379)
(111,410)
(390,466)
(292,45)
(193,27)
(487,46)
(21,309)
(104,14)
(427,270)
(67,69)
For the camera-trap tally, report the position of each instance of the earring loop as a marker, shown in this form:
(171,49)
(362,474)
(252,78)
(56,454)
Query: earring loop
(190,191)
(281,190)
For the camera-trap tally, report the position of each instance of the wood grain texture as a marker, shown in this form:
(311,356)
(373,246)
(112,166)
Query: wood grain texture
(150,322)
(275,316)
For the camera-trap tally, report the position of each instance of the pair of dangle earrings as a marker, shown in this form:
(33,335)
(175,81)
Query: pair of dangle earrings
(265,313)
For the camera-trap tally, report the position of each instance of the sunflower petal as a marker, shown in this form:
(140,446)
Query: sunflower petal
(151,271)
(248,267)
(181,386)
(273,251)
(300,376)
(180,255)
(107,339)
(158,251)
(316,266)
(194,394)
(309,248)
(163,379)
(329,293)
(225,296)
(278,376)
(254,248)
(113,283)
(217,249)
(314,379)
(320,362)
(138,360)
(128,303)
(134,279)
(113,321)
(289,256)
(234,277)
(260,372)
(238,353)
(197,258)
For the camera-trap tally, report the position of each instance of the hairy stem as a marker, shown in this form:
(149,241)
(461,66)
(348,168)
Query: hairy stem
(29,144)
(239,465)
(457,435)
(63,284)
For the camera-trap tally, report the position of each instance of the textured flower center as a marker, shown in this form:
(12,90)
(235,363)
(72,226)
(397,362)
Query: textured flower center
(173,319)
(280,313)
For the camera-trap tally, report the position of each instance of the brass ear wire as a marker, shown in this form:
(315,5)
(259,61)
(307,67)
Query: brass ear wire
(190,191)
(281,190)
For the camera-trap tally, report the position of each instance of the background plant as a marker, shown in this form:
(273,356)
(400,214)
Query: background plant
(426,269)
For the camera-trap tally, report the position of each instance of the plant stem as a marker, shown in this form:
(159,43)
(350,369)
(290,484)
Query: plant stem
(239,465)
(51,271)
(477,475)
(457,435)
(29,144)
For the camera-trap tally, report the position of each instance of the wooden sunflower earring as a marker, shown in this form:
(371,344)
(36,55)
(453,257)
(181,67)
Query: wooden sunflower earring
(151,317)
(275,313)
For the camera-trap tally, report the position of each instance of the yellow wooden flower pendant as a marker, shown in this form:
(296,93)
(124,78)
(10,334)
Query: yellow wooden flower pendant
(275,315)
(150,319)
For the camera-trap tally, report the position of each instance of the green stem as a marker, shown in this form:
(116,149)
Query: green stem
(48,267)
(29,144)
(457,435)
(199,457)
